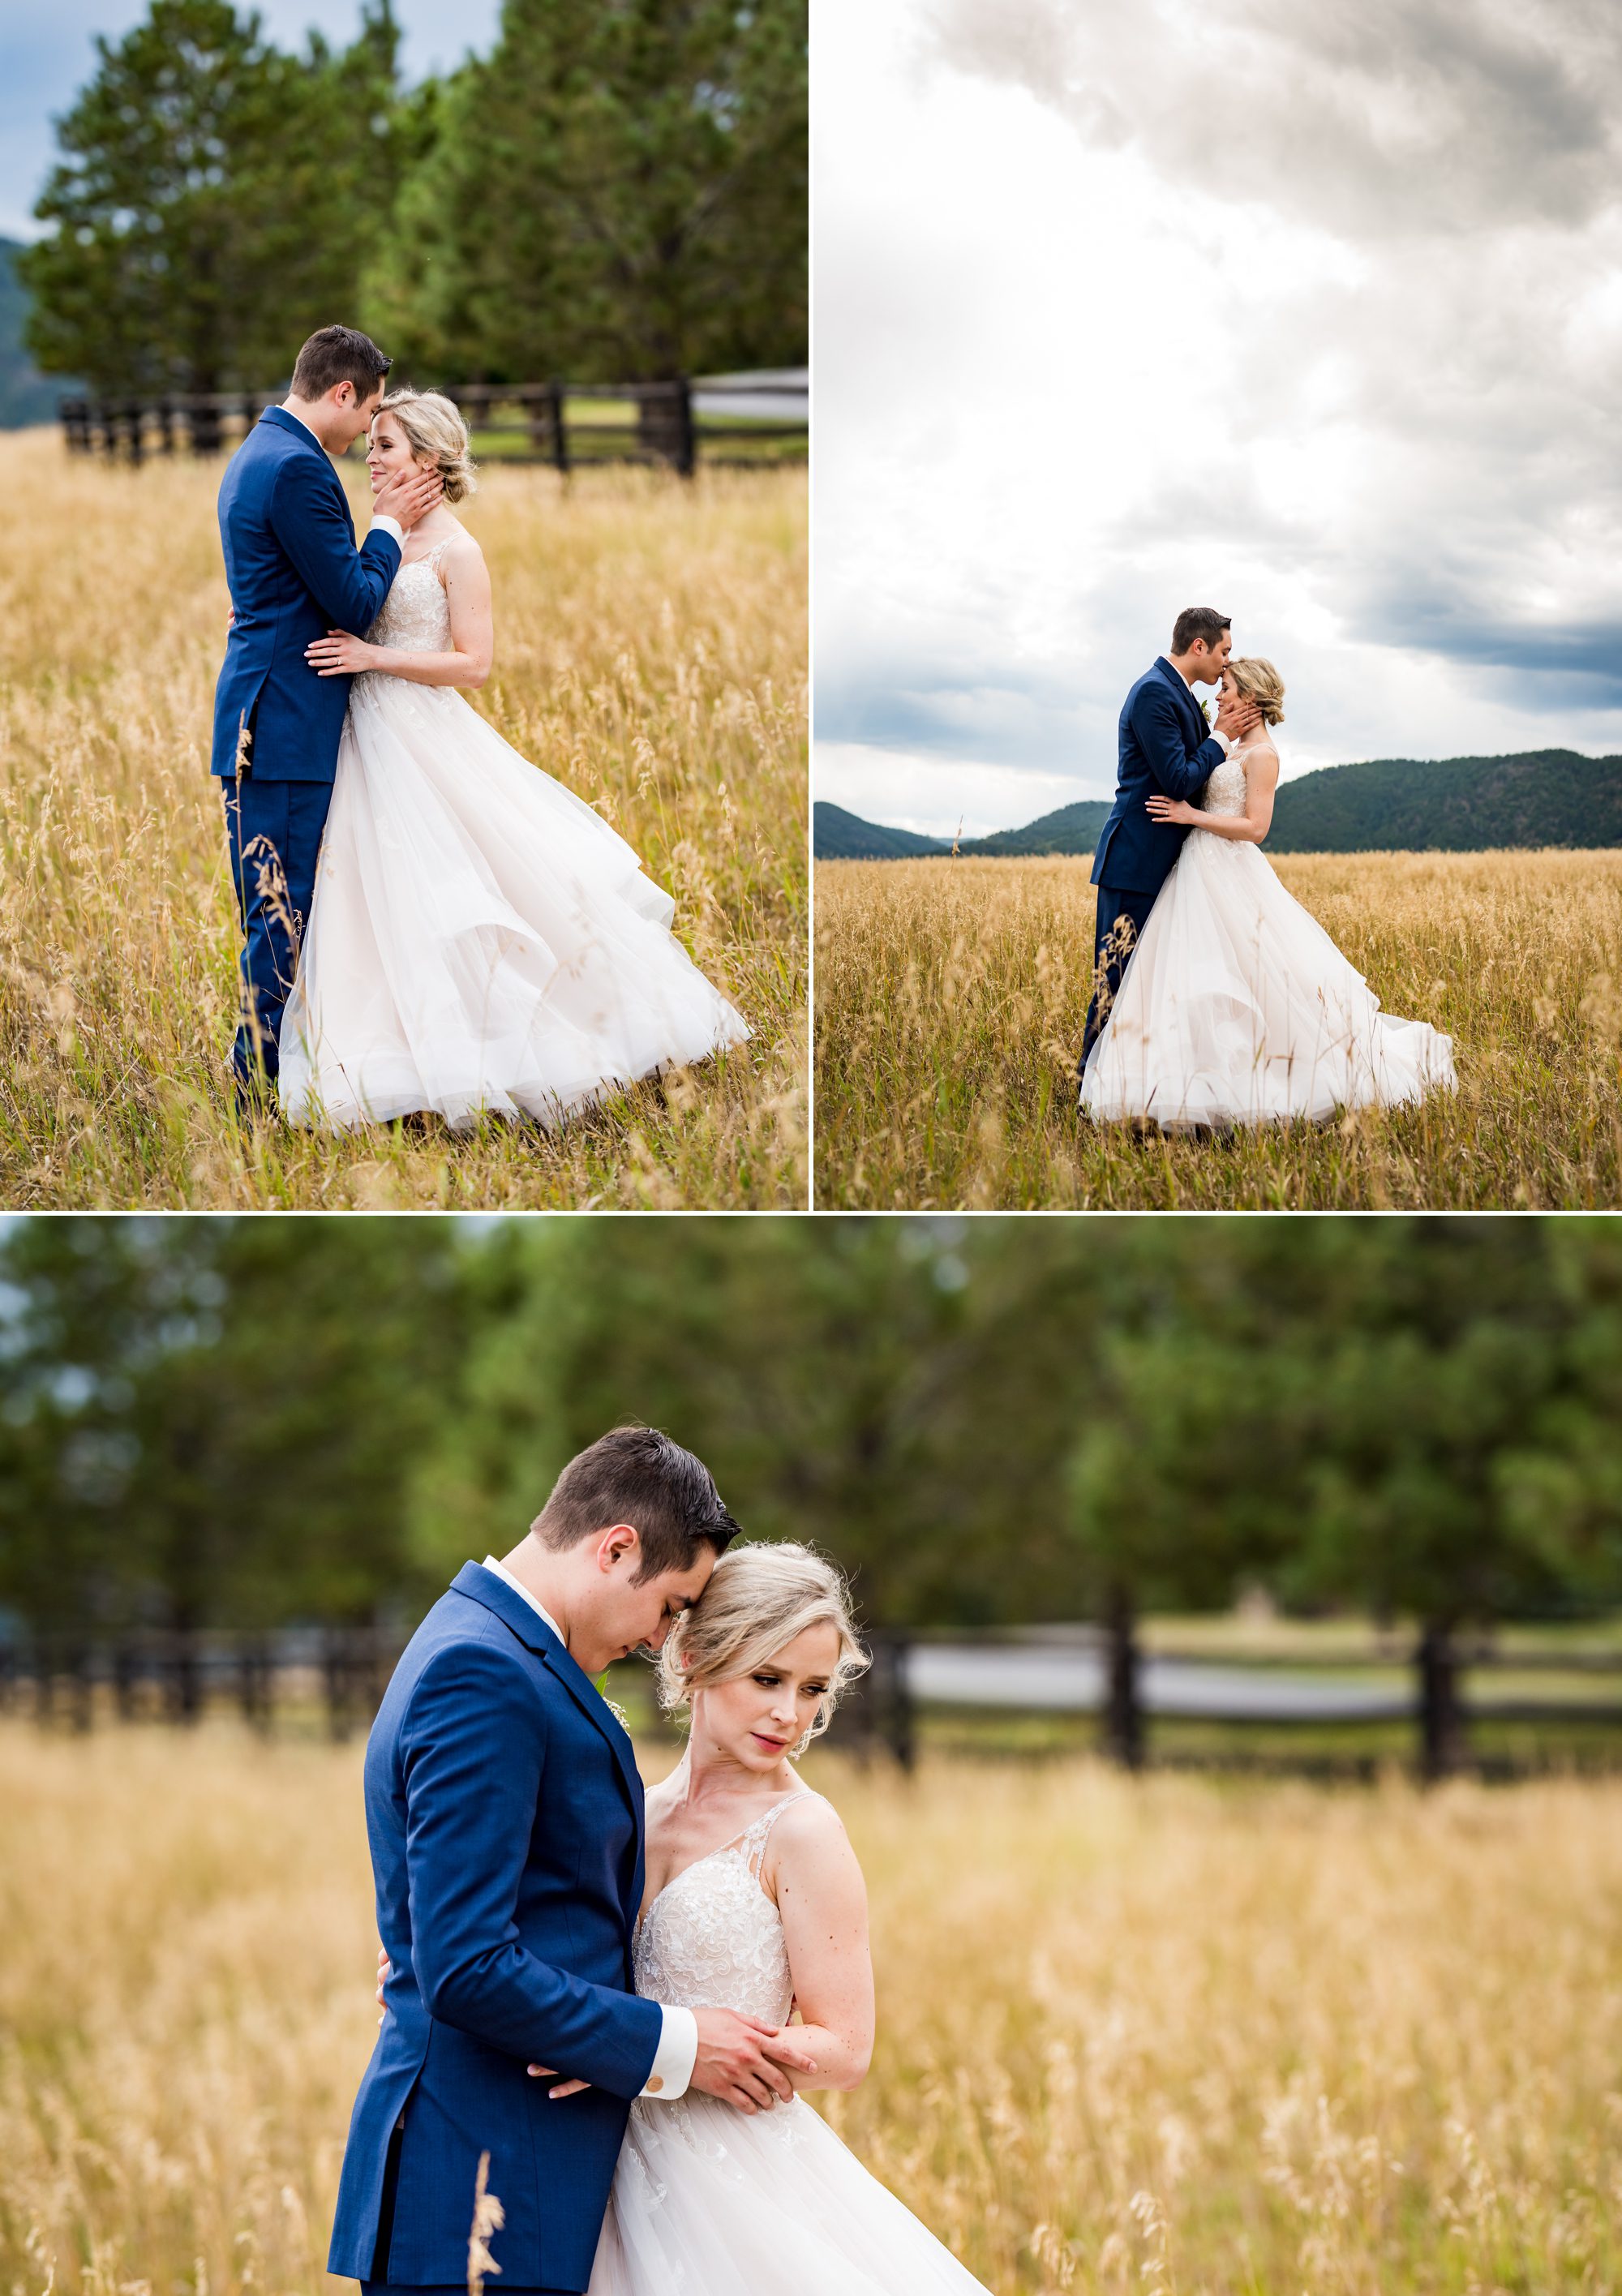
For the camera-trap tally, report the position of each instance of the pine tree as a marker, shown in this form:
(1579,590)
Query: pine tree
(215,202)
(617,192)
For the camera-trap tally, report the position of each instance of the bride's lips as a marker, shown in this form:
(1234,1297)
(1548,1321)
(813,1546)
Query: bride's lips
(761,1739)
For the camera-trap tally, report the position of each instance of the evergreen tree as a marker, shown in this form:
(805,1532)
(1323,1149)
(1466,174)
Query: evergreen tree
(215,202)
(617,192)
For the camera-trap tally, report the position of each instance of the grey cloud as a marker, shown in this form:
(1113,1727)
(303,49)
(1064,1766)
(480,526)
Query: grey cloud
(1393,117)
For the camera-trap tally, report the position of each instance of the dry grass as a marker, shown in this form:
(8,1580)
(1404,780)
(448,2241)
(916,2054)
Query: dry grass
(1133,2034)
(951,997)
(651,653)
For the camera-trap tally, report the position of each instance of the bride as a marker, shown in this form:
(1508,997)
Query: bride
(478,938)
(1236,1007)
(754,1902)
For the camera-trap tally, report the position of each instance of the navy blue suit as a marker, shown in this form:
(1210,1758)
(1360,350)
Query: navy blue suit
(1166,747)
(504,1814)
(295,573)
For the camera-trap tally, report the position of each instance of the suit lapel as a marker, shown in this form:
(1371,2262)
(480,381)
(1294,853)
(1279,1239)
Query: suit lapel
(482,1586)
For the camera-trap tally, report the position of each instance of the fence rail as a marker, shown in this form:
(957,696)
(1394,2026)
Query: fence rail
(336,1675)
(723,420)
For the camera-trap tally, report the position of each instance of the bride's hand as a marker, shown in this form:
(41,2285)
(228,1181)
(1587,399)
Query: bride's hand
(1170,809)
(564,2088)
(338,655)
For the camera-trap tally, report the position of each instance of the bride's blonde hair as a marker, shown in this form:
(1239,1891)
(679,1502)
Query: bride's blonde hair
(1257,680)
(434,429)
(759,1598)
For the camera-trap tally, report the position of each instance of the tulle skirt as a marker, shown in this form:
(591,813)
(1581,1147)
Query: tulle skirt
(480,938)
(1237,1008)
(710,2202)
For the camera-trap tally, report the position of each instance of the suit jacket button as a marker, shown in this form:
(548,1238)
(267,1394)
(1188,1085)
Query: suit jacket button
(655,2081)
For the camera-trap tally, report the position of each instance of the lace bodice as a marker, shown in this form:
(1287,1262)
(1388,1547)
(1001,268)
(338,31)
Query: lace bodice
(416,614)
(713,1939)
(1224,792)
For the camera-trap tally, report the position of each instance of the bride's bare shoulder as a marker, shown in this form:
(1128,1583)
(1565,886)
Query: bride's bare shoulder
(462,548)
(809,1836)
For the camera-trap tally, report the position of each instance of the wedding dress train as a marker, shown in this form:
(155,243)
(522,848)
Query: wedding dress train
(480,938)
(1237,1008)
(710,2202)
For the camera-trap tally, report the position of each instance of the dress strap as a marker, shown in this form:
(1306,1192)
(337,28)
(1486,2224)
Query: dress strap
(754,1837)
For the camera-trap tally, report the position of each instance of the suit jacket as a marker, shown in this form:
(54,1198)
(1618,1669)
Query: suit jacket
(506,1819)
(1165,746)
(295,574)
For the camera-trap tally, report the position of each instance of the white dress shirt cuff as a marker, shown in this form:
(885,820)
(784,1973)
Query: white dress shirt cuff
(383,524)
(674,2059)
(1226,739)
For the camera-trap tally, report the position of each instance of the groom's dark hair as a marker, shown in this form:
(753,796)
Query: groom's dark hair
(638,1476)
(335,354)
(1201,623)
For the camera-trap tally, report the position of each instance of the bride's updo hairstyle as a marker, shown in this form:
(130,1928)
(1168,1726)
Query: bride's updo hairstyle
(1257,680)
(758,1599)
(435,431)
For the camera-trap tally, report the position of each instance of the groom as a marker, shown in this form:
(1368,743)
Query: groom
(506,1818)
(1165,746)
(295,576)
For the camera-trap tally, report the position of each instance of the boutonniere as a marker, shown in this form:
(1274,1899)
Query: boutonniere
(613,1705)
(1205,711)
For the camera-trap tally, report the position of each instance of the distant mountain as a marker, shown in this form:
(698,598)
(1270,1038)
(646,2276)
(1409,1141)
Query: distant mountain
(1452,805)
(26,396)
(1073,829)
(837,835)
(1439,805)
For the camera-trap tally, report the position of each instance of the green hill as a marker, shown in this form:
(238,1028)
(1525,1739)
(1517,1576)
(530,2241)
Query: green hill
(1452,805)
(837,835)
(1073,829)
(26,396)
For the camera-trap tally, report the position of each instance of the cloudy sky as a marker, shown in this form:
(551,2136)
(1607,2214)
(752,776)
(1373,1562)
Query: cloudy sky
(1312,313)
(46,55)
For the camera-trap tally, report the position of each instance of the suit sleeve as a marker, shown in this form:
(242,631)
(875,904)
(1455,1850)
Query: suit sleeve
(1160,735)
(308,518)
(474,1749)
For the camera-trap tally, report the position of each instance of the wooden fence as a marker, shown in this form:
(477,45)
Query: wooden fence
(332,1677)
(674,426)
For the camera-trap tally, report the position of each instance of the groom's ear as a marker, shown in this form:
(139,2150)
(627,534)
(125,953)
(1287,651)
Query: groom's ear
(618,1544)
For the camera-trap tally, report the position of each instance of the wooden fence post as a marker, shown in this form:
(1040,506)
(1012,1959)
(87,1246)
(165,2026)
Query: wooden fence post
(686,438)
(876,1709)
(560,429)
(256,1682)
(1123,1688)
(1443,1747)
(125,1676)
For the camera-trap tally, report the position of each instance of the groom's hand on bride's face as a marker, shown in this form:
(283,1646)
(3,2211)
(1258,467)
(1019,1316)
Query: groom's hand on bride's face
(409,495)
(1236,716)
(743,2060)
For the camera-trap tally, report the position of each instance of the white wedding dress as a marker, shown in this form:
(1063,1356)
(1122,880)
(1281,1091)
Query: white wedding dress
(479,937)
(1236,1008)
(711,2201)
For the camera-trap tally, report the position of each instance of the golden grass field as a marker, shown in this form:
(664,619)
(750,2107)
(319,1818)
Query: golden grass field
(651,653)
(951,997)
(1156,2033)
